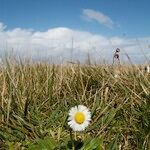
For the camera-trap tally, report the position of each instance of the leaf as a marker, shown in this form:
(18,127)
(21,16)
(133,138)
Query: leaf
(44,144)
(93,144)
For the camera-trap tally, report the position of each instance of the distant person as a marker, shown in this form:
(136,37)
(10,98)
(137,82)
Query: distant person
(116,58)
(116,63)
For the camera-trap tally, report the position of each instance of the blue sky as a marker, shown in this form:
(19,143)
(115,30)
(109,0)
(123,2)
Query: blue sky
(47,27)
(132,16)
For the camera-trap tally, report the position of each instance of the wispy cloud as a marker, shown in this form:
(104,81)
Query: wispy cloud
(2,26)
(101,18)
(56,43)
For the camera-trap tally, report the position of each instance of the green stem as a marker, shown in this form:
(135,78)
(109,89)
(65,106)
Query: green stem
(72,140)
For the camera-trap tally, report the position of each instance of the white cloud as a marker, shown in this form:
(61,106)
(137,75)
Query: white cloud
(56,43)
(2,26)
(98,16)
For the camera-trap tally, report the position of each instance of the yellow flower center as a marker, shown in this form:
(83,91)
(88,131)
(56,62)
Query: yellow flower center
(79,117)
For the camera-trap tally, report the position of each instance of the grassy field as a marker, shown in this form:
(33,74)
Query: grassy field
(35,99)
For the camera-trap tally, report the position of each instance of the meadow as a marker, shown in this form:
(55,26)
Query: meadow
(35,100)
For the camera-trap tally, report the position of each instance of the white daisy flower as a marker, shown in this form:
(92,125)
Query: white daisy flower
(79,118)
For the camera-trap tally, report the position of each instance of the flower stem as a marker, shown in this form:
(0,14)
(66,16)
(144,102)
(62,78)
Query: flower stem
(72,140)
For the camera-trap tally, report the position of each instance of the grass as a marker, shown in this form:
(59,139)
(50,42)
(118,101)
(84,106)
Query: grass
(35,99)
